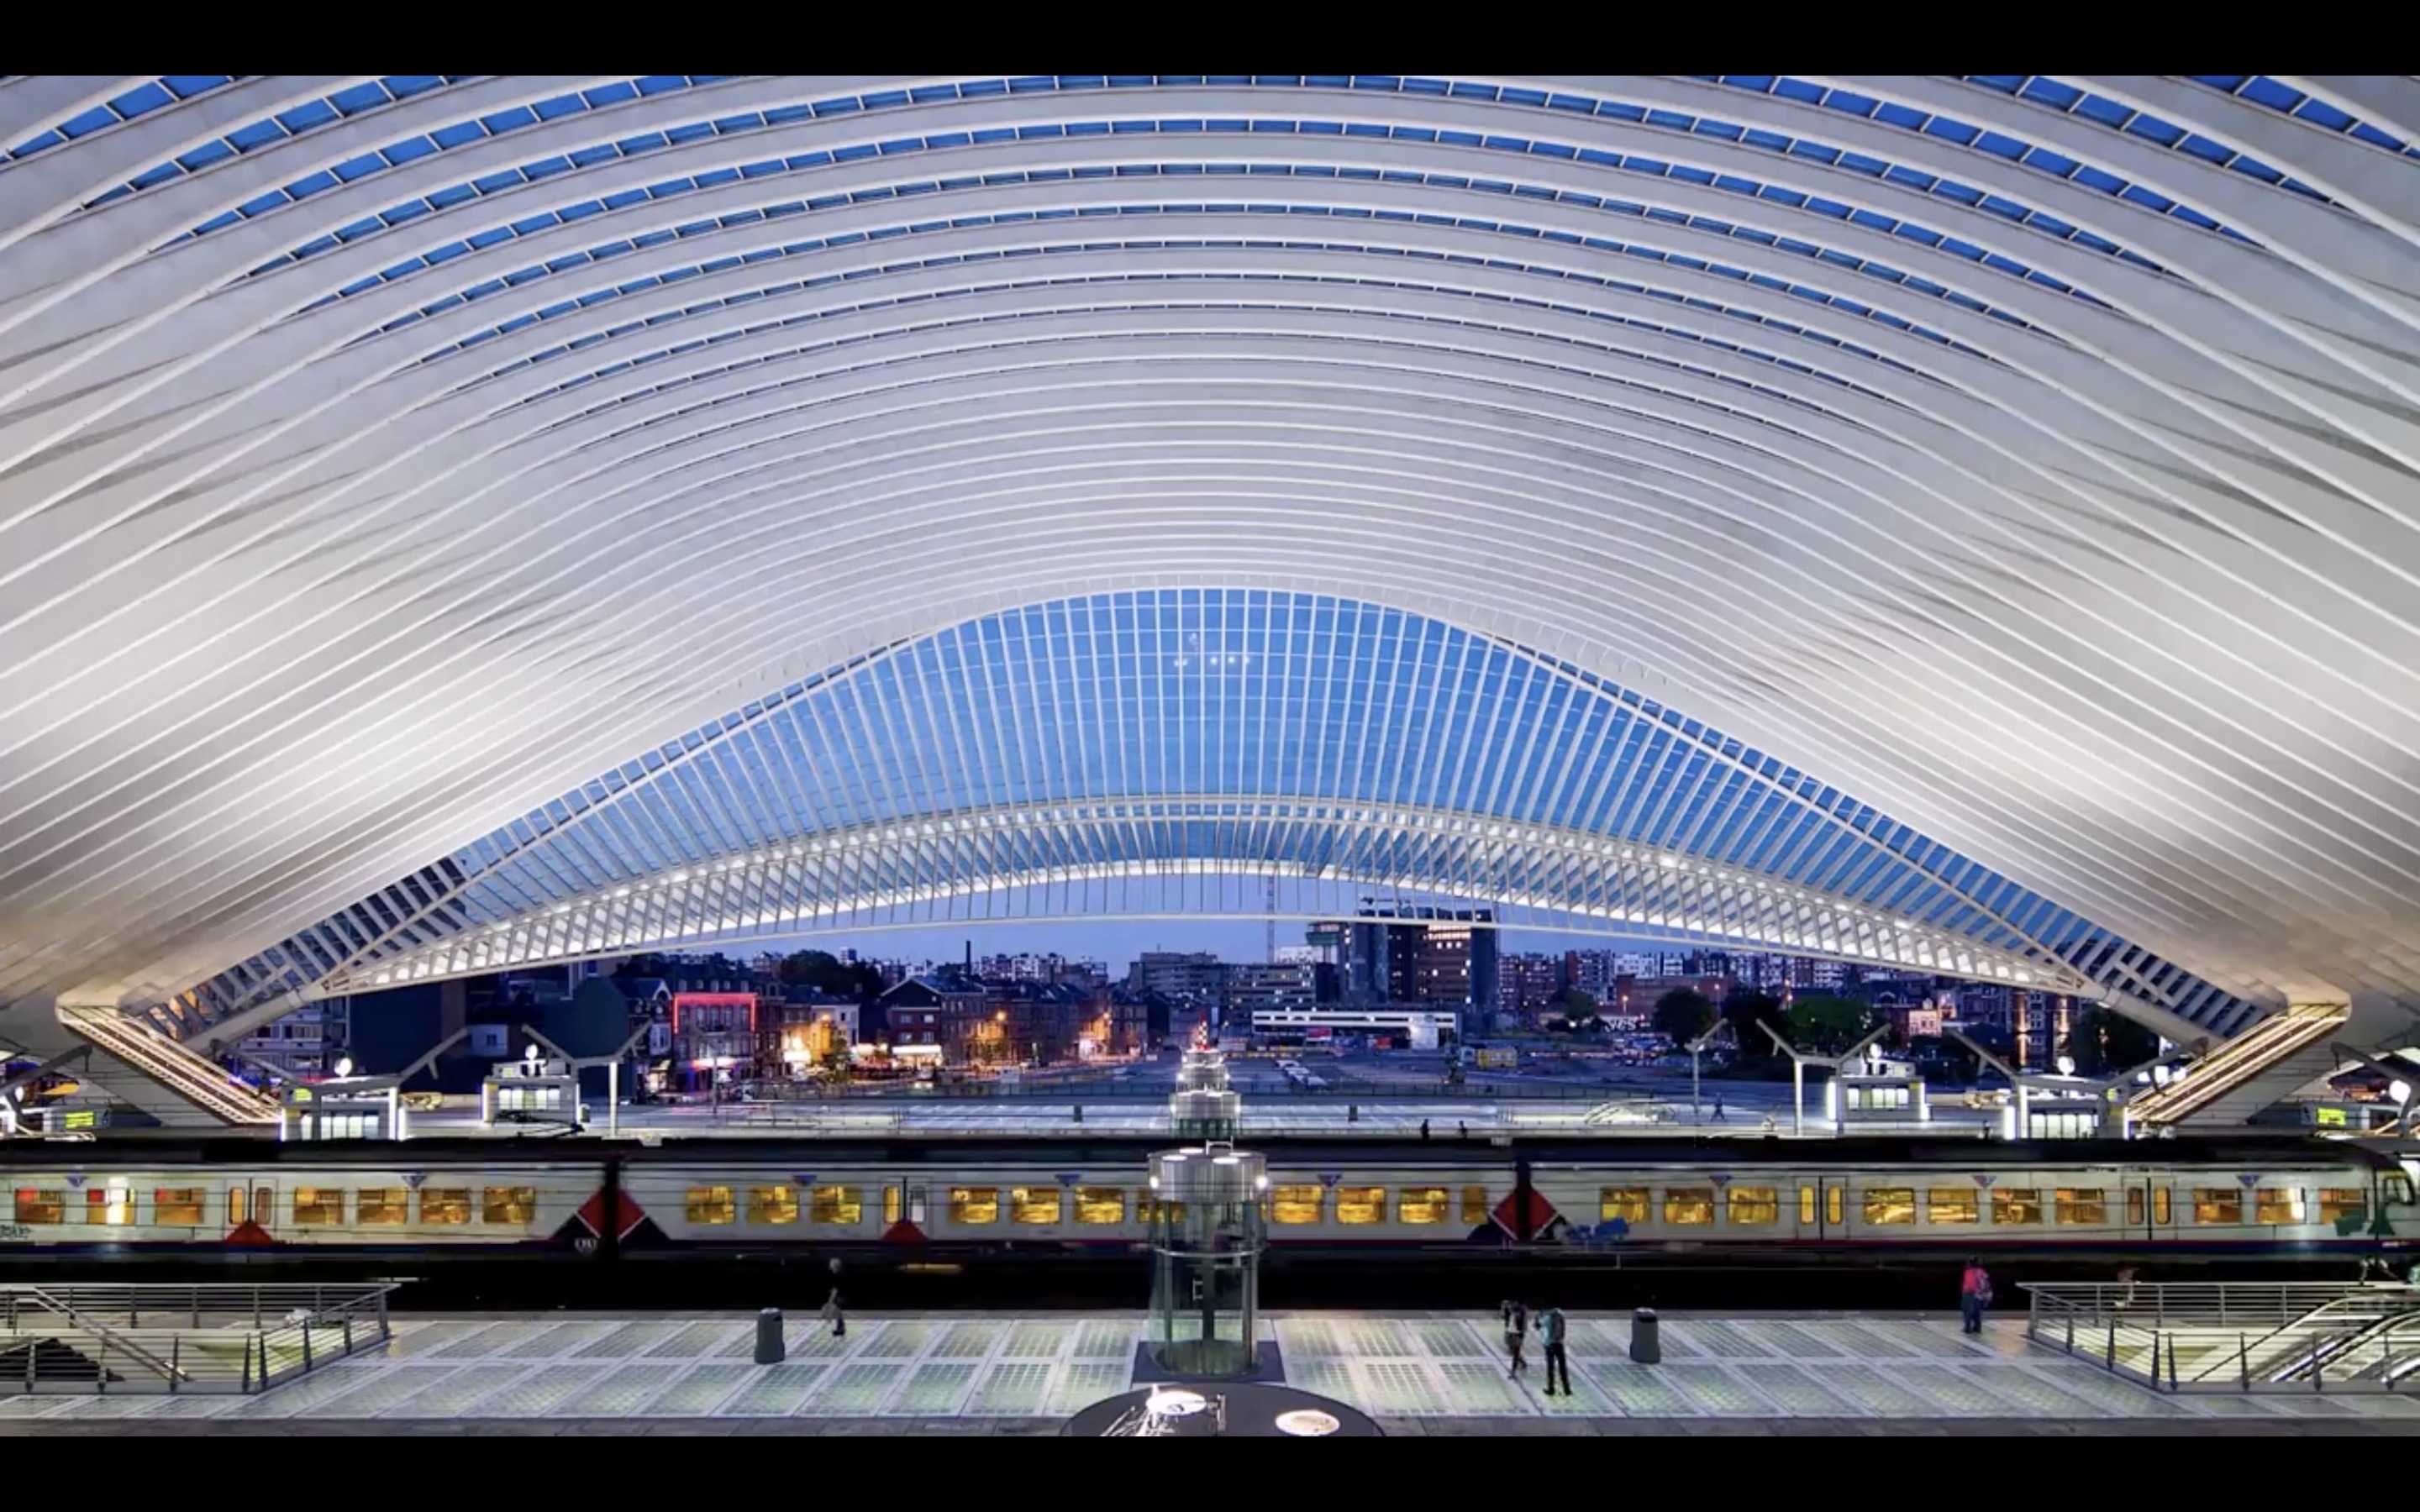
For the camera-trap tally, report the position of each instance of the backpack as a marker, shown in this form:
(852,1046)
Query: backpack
(1982,1288)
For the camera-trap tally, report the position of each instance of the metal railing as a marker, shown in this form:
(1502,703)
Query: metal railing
(2237,1336)
(79,1339)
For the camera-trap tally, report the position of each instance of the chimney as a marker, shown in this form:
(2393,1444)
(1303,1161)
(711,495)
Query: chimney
(970,957)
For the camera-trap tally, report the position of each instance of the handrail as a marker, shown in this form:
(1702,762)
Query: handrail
(101,1331)
(226,1337)
(2232,1336)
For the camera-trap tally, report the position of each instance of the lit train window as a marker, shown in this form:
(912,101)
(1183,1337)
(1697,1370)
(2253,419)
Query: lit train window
(1835,1199)
(1360,1204)
(1890,1205)
(2134,1206)
(319,1205)
(834,1205)
(41,1205)
(1807,1206)
(1103,1205)
(2160,1213)
(772,1205)
(1952,1205)
(704,1205)
(1420,1205)
(2218,1205)
(1033,1204)
(1296,1204)
(1689,1206)
(2279,1205)
(2082,1205)
(178,1205)
(1474,1206)
(516,1205)
(2016,1205)
(1755,1207)
(382,1206)
(112,1206)
(445,1205)
(974,1204)
(2339,1203)
(1627,1203)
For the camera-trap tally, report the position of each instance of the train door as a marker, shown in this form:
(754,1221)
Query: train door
(902,1202)
(2146,1205)
(249,1202)
(264,1206)
(1822,1208)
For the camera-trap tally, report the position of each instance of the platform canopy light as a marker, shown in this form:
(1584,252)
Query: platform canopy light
(2399,1091)
(2067,1065)
(344,1067)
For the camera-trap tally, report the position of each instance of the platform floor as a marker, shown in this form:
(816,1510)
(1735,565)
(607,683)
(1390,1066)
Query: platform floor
(1435,1373)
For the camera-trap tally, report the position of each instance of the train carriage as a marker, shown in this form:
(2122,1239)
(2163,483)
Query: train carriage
(997,1196)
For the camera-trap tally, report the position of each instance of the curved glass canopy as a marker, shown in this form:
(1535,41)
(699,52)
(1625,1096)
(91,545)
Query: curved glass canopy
(2036,456)
(1159,754)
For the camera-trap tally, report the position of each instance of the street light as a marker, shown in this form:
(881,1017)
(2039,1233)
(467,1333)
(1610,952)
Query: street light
(2067,1065)
(344,1067)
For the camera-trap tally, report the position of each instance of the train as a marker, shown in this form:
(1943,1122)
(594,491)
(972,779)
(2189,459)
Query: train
(953,1199)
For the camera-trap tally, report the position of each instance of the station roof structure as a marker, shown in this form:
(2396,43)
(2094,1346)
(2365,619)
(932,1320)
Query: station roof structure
(381,459)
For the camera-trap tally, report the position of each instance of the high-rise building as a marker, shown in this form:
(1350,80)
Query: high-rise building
(1419,953)
(1198,975)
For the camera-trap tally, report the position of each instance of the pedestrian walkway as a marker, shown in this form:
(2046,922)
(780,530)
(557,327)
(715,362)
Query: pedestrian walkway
(1433,1373)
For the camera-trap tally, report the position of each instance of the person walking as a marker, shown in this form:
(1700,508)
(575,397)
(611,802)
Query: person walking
(1516,1335)
(1974,1294)
(1719,1107)
(1551,1330)
(1425,1131)
(831,1312)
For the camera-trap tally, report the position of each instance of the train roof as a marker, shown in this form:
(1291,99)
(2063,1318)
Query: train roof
(2226,1152)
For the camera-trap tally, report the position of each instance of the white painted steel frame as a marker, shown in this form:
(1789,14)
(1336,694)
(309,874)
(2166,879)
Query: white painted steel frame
(2116,594)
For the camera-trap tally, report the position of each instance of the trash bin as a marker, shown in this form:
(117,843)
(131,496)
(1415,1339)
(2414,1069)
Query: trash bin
(1646,1343)
(769,1348)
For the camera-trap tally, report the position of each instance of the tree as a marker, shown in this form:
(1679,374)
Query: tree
(1748,1010)
(2105,1041)
(1824,1025)
(827,973)
(1682,1015)
(1576,1011)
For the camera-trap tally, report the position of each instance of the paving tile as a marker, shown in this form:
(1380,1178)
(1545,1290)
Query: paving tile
(563,1339)
(1718,1389)
(776,1390)
(17,1407)
(1324,1377)
(1641,1391)
(617,1393)
(937,1386)
(1033,1340)
(384,1394)
(461,1389)
(966,1341)
(1725,1340)
(1798,1393)
(699,1340)
(898,1340)
(1105,1340)
(1083,1383)
(539,1393)
(501,1339)
(701,1391)
(1018,1388)
(1877,1391)
(1448,1339)
(627,1341)
(1400,1386)
(1378,1336)
(1957,1391)
(856,1390)
(1480,1387)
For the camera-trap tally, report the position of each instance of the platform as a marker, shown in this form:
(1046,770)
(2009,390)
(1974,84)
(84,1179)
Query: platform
(1417,1373)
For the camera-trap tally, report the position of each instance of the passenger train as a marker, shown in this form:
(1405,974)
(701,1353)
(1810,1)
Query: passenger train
(960,1198)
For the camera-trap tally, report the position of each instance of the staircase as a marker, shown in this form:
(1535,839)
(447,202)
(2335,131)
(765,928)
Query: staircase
(2273,1059)
(142,1067)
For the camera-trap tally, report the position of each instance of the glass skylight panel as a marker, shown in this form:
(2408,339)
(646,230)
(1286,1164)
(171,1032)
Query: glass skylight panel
(2261,90)
(144,98)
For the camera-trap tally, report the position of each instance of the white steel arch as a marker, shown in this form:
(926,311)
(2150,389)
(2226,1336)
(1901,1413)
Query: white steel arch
(2037,454)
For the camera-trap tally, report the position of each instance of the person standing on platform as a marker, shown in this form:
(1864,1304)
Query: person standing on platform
(1974,1294)
(1551,1330)
(1425,1131)
(1516,1336)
